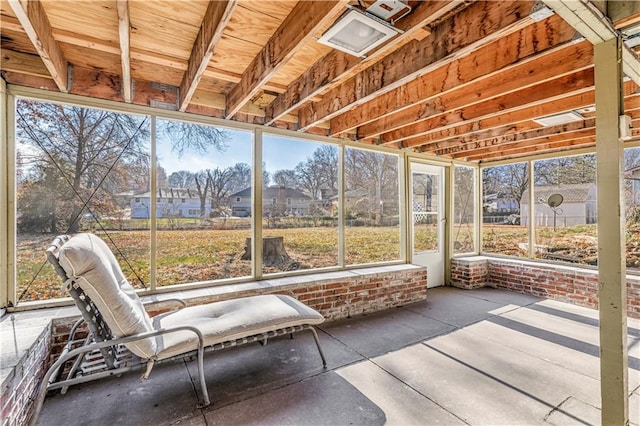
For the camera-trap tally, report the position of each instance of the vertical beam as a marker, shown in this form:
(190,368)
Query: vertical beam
(611,236)
(341,215)
(4,198)
(153,221)
(256,205)
(449,216)
(123,31)
(532,212)
(36,24)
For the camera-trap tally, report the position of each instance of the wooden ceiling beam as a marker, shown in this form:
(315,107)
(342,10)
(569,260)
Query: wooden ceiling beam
(463,149)
(213,24)
(458,35)
(572,101)
(36,25)
(516,78)
(541,140)
(481,63)
(531,149)
(306,18)
(523,99)
(337,65)
(124,24)
(517,121)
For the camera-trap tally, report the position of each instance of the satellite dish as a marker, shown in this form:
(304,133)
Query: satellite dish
(555,200)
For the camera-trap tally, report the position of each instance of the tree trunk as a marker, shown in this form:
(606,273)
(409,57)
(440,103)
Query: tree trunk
(273,252)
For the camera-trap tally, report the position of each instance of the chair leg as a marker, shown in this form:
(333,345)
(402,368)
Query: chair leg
(315,337)
(203,384)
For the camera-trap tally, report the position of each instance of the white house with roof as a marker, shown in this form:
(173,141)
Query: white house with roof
(277,200)
(170,202)
(633,177)
(579,205)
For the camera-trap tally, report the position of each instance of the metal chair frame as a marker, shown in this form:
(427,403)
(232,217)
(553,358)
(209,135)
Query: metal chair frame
(101,355)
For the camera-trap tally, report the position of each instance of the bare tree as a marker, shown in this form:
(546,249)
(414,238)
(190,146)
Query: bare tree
(286,178)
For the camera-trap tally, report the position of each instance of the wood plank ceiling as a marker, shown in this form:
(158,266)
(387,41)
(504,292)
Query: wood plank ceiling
(464,80)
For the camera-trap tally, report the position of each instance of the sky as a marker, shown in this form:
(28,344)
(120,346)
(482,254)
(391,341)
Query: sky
(278,153)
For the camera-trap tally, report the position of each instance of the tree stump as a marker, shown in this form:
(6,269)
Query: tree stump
(273,252)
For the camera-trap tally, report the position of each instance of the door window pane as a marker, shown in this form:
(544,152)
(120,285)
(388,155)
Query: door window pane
(425,212)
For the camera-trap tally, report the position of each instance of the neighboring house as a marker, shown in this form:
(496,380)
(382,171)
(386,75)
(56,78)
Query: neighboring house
(579,205)
(276,200)
(170,202)
(500,203)
(360,201)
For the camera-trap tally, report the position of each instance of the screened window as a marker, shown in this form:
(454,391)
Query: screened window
(372,232)
(300,225)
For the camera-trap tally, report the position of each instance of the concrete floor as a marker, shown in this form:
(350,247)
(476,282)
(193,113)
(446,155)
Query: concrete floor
(480,357)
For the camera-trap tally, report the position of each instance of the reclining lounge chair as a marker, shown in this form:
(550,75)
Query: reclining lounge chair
(122,337)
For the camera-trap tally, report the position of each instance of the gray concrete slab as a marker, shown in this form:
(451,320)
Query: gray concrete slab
(455,306)
(573,409)
(167,397)
(238,373)
(382,332)
(326,399)
(478,357)
(401,404)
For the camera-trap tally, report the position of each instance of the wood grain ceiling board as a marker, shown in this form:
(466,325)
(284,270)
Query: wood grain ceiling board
(5,9)
(90,58)
(234,55)
(250,25)
(16,40)
(300,62)
(96,18)
(142,70)
(275,9)
(167,27)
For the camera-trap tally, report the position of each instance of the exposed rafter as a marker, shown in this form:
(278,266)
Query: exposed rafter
(306,18)
(519,76)
(35,23)
(337,65)
(524,99)
(596,28)
(476,25)
(124,25)
(215,20)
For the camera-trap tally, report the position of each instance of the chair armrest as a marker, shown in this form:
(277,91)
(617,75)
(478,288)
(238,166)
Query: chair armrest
(159,305)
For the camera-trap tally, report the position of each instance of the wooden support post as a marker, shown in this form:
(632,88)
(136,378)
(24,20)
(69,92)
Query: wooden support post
(611,237)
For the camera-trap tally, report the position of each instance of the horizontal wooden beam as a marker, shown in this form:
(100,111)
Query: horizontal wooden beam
(460,34)
(515,121)
(24,63)
(215,20)
(518,77)
(543,148)
(523,99)
(36,25)
(306,18)
(496,56)
(504,140)
(337,65)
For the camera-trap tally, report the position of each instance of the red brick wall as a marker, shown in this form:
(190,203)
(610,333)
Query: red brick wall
(356,294)
(559,282)
(19,390)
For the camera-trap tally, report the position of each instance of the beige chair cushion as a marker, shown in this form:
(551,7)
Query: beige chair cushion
(230,320)
(88,260)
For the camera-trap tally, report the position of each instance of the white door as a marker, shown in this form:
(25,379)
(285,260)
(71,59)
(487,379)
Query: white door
(427,221)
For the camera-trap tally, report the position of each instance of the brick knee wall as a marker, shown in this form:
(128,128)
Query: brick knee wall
(343,297)
(559,282)
(19,390)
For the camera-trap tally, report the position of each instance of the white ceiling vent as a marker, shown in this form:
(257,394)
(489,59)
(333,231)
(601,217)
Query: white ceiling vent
(389,10)
(357,33)
(558,119)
